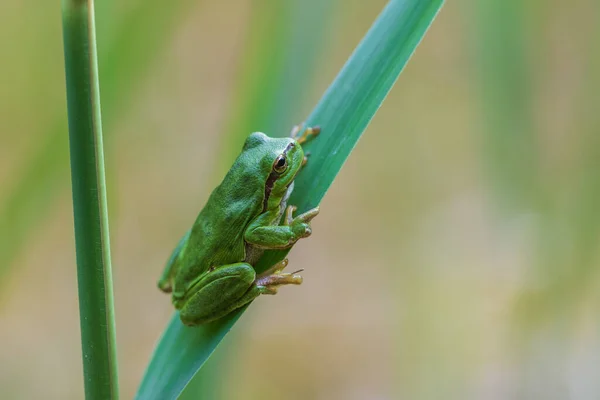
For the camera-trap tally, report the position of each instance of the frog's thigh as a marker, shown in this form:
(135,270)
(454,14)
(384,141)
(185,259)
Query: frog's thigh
(222,291)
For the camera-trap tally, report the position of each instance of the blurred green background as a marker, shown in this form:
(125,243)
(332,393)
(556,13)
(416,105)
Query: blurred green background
(456,254)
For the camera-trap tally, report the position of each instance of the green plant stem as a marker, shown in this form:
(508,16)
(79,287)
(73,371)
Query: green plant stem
(343,114)
(89,201)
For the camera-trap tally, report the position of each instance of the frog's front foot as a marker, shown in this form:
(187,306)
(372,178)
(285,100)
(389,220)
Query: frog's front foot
(305,159)
(281,236)
(300,225)
(269,281)
(305,134)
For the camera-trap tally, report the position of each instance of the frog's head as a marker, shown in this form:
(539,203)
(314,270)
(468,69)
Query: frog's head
(280,161)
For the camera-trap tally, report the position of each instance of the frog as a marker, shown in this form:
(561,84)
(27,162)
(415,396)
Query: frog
(211,272)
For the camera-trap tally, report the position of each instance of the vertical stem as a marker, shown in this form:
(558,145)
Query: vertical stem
(89,201)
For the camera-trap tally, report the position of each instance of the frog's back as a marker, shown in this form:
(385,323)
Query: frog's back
(217,237)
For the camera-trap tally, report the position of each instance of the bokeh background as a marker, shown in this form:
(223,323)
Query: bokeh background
(456,255)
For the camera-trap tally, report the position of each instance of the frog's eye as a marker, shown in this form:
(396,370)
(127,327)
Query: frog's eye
(280,164)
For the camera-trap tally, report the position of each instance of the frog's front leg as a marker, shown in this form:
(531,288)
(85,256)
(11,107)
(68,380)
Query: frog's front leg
(262,234)
(307,132)
(301,134)
(228,288)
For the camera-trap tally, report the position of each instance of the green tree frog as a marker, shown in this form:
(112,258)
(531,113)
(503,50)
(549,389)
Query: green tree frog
(211,271)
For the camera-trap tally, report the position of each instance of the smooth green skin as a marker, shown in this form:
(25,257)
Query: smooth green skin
(210,273)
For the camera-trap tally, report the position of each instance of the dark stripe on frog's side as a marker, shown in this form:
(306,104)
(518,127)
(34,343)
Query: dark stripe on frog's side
(272,179)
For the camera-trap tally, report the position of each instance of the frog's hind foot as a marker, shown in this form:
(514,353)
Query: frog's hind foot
(269,281)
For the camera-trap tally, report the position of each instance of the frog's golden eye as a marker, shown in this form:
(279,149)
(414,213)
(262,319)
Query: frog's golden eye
(280,164)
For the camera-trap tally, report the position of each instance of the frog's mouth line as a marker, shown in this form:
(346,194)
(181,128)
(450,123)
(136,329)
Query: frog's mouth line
(273,176)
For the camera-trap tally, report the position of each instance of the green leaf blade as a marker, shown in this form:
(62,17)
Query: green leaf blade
(92,242)
(343,113)
(181,346)
(354,97)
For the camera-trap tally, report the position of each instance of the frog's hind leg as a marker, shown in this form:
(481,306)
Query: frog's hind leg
(270,280)
(165,283)
(231,287)
(218,293)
